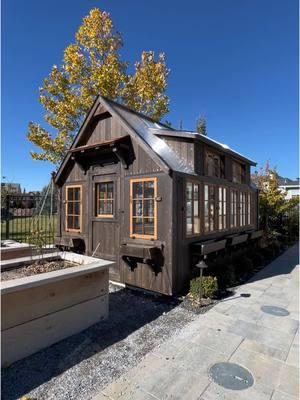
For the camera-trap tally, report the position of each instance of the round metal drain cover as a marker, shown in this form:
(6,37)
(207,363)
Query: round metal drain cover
(231,376)
(277,311)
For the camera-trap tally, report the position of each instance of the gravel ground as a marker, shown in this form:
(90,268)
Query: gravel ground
(78,367)
(35,268)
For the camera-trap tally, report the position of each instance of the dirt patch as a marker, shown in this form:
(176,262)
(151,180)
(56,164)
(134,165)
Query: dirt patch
(37,267)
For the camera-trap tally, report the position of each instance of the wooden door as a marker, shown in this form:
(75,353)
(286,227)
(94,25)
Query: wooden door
(105,219)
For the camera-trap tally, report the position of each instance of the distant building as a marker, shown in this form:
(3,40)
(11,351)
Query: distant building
(291,187)
(11,188)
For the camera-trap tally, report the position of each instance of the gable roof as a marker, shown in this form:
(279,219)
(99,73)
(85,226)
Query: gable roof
(288,182)
(148,133)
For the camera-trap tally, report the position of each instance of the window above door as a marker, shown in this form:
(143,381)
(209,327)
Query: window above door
(104,201)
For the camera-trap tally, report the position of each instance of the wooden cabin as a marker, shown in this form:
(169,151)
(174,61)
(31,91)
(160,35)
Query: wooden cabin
(145,195)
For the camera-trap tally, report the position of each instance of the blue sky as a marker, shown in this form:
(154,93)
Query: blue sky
(233,61)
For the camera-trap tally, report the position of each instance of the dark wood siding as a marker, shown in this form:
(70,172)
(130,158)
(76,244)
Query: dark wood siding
(107,238)
(184,149)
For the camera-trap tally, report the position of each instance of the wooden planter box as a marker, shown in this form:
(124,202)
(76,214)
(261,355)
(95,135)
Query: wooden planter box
(40,310)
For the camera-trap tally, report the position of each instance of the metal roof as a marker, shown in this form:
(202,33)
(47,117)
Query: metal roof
(150,133)
(143,127)
(202,138)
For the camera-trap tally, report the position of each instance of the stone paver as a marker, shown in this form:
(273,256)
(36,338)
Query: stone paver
(235,330)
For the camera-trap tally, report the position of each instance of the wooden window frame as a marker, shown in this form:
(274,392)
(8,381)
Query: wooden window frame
(232,213)
(242,174)
(243,208)
(193,234)
(80,208)
(137,235)
(223,201)
(109,216)
(214,186)
(221,167)
(249,208)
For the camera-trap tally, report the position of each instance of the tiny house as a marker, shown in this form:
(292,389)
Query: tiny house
(140,193)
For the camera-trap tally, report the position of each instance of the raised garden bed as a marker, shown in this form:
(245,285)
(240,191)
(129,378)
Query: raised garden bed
(46,307)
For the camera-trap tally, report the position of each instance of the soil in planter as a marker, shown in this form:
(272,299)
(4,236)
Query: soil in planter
(37,267)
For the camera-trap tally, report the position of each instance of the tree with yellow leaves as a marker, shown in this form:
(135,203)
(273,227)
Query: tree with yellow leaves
(92,66)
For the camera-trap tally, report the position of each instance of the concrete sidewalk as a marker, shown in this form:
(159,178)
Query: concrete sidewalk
(236,330)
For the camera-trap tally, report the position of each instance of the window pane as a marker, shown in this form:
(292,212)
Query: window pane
(220,222)
(189,208)
(69,208)
(109,207)
(138,225)
(70,222)
(76,223)
(148,208)
(196,208)
(137,190)
(206,208)
(149,226)
(70,194)
(196,191)
(76,208)
(101,191)
(205,192)
(189,225)
(137,208)
(189,191)
(196,224)
(110,190)
(101,207)
(76,194)
(149,189)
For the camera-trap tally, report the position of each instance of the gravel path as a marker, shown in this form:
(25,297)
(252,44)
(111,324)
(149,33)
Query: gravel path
(78,367)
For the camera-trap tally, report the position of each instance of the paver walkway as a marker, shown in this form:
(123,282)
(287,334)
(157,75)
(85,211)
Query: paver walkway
(235,330)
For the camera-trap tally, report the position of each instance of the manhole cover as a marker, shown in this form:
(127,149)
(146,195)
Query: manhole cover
(231,376)
(277,311)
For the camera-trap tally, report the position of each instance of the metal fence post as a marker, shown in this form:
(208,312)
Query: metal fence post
(7,217)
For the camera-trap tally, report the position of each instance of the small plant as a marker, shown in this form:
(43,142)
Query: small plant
(209,287)
(38,238)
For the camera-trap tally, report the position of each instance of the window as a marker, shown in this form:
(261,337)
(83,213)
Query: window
(214,165)
(143,209)
(233,208)
(192,208)
(242,208)
(105,199)
(209,208)
(249,209)
(222,207)
(238,172)
(73,208)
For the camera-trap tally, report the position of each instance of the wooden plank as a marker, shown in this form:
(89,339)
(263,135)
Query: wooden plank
(255,235)
(207,248)
(49,298)
(25,339)
(239,239)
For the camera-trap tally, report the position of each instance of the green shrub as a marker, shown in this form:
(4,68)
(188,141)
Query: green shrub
(209,287)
